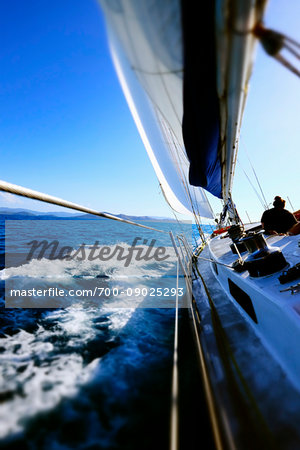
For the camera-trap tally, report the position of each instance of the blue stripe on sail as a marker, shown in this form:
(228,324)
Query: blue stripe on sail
(201,118)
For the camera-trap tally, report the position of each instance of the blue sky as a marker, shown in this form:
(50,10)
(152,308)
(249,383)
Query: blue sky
(66,130)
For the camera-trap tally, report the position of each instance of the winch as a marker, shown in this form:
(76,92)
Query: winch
(263,259)
(236,232)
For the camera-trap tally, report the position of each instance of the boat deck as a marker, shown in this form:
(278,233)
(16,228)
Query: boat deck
(270,285)
(262,355)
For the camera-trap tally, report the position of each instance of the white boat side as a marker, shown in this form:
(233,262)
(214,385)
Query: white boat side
(277,310)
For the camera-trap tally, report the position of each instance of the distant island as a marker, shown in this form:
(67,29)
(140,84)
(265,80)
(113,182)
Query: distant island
(27,214)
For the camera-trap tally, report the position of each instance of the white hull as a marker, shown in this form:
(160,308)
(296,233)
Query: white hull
(277,313)
(253,362)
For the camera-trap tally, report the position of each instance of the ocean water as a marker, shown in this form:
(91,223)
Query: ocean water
(87,373)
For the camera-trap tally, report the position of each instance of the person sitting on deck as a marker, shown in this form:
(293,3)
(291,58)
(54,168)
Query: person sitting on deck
(278,220)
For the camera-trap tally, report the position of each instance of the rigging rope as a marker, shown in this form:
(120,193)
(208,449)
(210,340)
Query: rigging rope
(256,177)
(258,196)
(35,195)
(273,42)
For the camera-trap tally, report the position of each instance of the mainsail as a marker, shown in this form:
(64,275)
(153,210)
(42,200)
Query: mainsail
(146,44)
(184,74)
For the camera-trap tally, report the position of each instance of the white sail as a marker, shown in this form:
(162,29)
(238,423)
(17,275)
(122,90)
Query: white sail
(146,44)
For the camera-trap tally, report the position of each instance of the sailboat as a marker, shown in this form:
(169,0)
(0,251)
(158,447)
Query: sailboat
(186,84)
(244,287)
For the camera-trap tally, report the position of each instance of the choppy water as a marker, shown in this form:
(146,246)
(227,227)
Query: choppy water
(87,375)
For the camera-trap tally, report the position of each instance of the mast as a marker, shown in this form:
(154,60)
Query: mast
(235,55)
